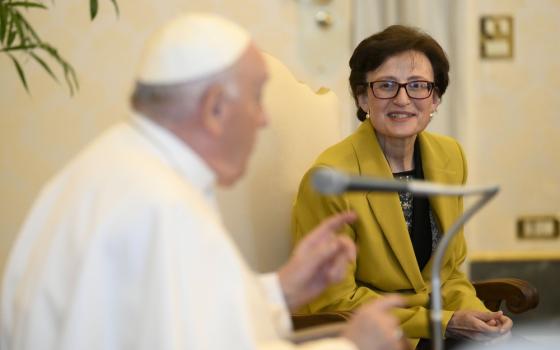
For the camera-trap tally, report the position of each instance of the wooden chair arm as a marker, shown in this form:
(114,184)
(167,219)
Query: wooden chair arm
(324,325)
(330,330)
(301,321)
(519,295)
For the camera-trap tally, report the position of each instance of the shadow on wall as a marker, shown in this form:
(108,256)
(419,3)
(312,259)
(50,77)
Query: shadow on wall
(257,210)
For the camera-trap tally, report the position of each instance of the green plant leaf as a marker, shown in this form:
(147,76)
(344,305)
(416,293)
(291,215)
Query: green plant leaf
(116,5)
(4,16)
(10,33)
(71,78)
(11,36)
(29,29)
(25,4)
(20,72)
(19,28)
(69,73)
(20,48)
(43,64)
(93,8)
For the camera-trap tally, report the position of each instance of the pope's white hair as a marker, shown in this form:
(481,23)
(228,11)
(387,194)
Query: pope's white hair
(180,100)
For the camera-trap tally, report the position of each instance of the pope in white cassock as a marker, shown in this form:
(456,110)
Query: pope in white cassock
(125,249)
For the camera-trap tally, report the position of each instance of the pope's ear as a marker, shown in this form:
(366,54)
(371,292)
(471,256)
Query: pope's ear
(214,109)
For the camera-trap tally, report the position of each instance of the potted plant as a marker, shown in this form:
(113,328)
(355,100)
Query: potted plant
(19,40)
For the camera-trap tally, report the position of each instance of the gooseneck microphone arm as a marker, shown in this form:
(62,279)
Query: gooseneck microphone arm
(436,307)
(330,181)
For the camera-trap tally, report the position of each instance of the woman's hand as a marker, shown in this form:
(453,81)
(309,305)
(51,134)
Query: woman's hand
(478,325)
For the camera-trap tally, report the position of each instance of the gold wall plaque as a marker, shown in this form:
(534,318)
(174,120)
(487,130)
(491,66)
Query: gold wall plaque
(496,37)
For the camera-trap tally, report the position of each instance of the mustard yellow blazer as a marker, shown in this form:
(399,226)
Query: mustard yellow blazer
(386,262)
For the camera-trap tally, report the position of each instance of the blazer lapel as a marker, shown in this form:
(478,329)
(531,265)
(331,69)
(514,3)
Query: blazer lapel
(436,168)
(386,207)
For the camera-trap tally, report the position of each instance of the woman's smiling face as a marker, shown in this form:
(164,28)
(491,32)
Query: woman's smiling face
(400,117)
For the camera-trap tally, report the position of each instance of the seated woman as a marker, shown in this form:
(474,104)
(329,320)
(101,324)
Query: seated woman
(398,77)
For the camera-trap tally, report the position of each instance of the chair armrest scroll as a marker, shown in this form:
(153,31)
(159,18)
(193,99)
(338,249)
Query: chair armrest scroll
(519,295)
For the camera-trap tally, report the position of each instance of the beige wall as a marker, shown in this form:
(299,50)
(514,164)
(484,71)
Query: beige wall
(515,128)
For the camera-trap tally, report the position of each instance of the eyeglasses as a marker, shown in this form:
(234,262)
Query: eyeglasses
(386,89)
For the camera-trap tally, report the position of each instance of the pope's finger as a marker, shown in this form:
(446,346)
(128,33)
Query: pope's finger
(348,247)
(335,222)
(329,227)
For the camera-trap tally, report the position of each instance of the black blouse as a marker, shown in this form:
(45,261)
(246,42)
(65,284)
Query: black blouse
(422,227)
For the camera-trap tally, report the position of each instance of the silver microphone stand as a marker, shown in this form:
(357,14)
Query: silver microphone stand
(436,307)
(423,188)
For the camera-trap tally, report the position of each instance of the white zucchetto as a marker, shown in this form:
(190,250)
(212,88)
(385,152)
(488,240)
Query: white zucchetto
(190,47)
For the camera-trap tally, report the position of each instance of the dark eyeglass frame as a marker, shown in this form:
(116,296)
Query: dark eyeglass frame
(431,87)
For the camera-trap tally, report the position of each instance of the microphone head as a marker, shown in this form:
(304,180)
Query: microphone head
(329,181)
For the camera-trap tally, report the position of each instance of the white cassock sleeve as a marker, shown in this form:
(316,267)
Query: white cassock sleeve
(282,321)
(276,303)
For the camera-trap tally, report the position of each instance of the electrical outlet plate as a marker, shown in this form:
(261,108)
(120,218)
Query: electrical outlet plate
(538,227)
